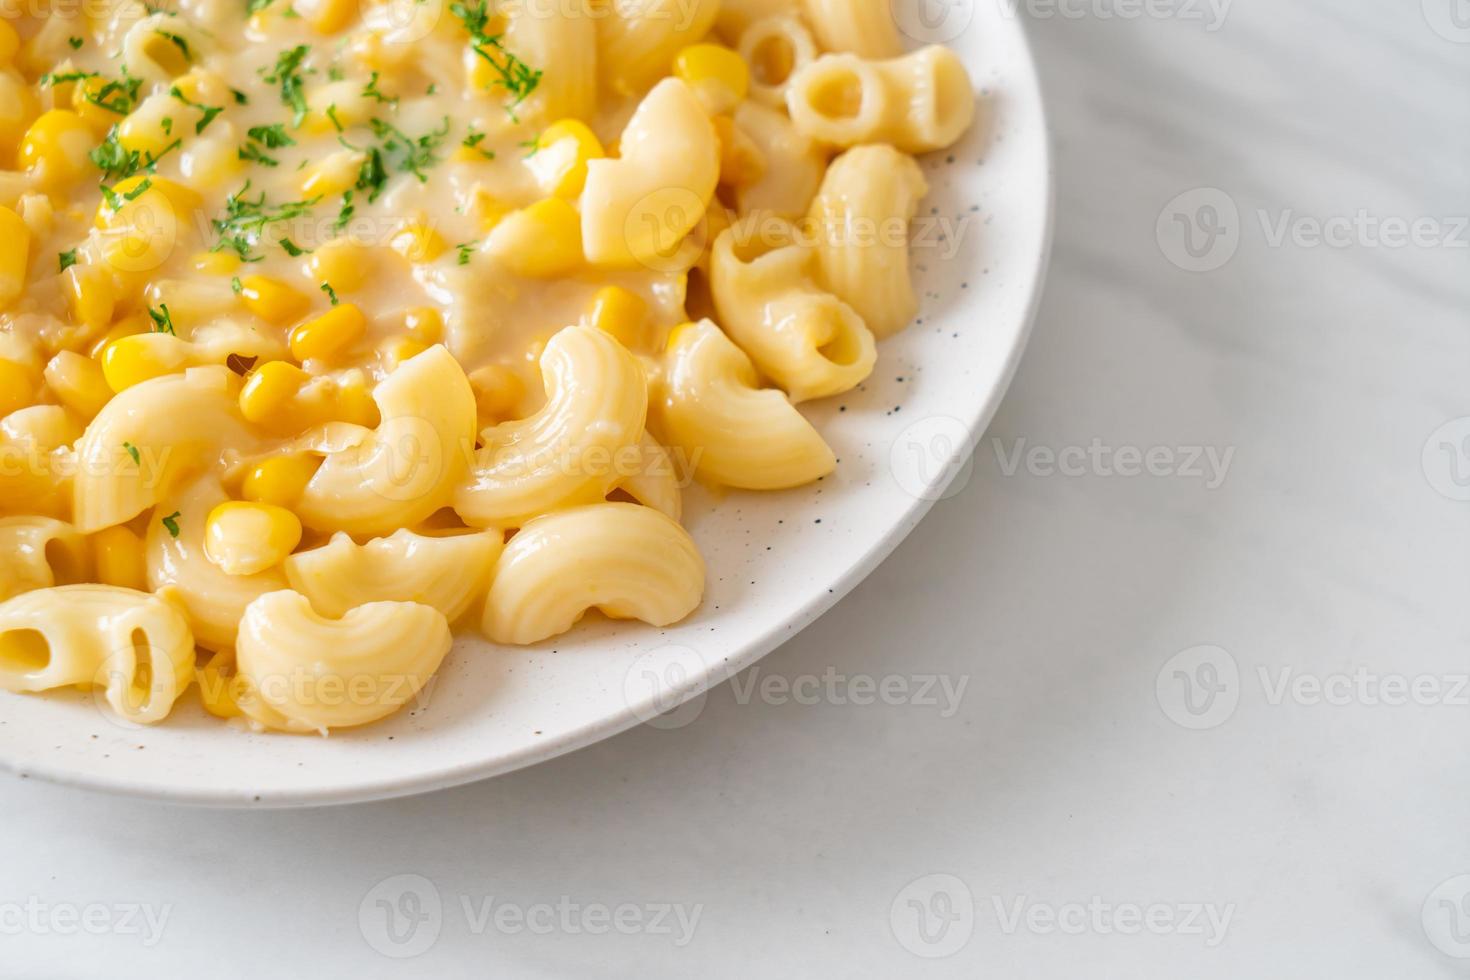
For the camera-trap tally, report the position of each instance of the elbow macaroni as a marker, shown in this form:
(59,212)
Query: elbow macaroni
(296,332)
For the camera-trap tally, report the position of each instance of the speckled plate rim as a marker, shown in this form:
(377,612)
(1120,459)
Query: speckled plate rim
(778,633)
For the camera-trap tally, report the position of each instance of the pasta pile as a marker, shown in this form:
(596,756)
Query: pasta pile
(328,325)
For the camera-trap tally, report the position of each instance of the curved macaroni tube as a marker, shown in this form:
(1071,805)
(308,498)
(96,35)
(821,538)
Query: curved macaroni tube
(407,468)
(656,484)
(775,48)
(639,207)
(794,164)
(596,404)
(39,552)
(37,461)
(447,572)
(861,222)
(302,672)
(137,646)
(149,51)
(637,39)
(865,28)
(918,103)
(731,431)
(561,33)
(805,339)
(213,600)
(145,438)
(631,562)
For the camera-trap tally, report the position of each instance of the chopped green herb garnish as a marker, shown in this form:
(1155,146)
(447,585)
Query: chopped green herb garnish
(466,249)
(66,259)
(344,215)
(274,137)
(472,141)
(246,220)
(370,90)
(171,524)
(163,321)
(133,452)
(251,153)
(209,112)
(516,77)
(331,293)
(240,97)
(178,42)
(76,43)
(289,75)
(292,249)
(236,286)
(332,116)
(167,122)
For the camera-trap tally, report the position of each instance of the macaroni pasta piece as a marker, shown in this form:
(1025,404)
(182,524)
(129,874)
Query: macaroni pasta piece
(325,325)
(628,561)
(134,646)
(800,336)
(860,220)
(304,672)
(732,431)
(447,572)
(919,102)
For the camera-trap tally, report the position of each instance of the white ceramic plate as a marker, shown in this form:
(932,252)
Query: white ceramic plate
(776,561)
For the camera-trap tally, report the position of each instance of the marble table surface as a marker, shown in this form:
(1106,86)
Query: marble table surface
(1177,685)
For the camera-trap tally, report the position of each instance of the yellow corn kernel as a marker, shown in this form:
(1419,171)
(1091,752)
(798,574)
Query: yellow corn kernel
(539,242)
(117,553)
(418,243)
(332,175)
(149,128)
(280,480)
(9,43)
(140,357)
(424,324)
(15,248)
(353,402)
(675,334)
(741,161)
(203,86)
(273,300)
(342,101)
(327,16)
(54,150)
(219,685)
(489,209)
(266,396)
(144,216)
(329,333)
(244,537)
(498,391)
(216,263)
(17,386)
(396,350)
(621,313)
(343,263)
(562,152)
(78,383)
(83,95)
(91,294)
(128,326)
(17,109)
(719,75)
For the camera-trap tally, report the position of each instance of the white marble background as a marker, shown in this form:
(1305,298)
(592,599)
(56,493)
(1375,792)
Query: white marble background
(1314,823)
